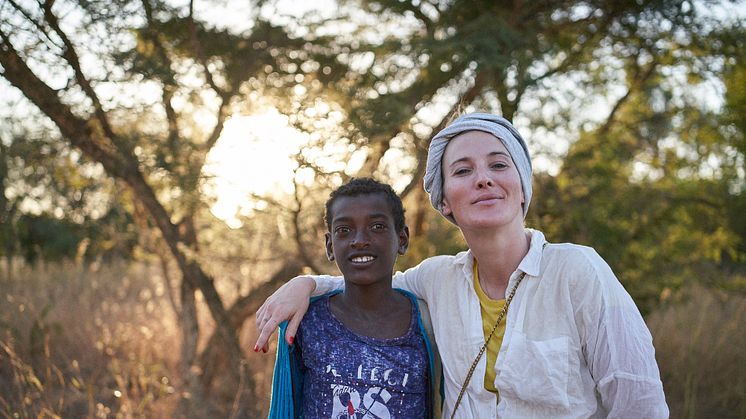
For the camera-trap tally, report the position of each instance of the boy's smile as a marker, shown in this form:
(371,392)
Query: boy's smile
(363,239)
(362,259)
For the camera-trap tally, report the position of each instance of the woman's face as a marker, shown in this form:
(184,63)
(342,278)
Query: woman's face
(481,185)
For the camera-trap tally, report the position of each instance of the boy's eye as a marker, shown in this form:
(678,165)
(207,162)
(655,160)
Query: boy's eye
(378,226)
(342,230)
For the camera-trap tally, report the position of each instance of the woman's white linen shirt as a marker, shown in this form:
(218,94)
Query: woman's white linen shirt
(575,344)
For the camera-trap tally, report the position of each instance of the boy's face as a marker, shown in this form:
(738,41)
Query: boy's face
(363,239)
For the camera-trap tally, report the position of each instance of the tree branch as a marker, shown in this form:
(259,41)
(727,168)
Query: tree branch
(297,230)
(640,76)
(199,53)
(419,92)
(419,14)
(224,95)
(34,22)
(573,55)
(169,84)
(82,134)
(71,56)
(465,100)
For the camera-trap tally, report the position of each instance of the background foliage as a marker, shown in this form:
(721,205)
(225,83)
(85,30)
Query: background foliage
(125,296)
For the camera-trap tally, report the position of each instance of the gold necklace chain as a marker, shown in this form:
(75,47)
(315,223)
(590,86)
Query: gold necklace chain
(484,347)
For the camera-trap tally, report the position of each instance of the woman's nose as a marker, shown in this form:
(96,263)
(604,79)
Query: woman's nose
(483,183)
(483,180)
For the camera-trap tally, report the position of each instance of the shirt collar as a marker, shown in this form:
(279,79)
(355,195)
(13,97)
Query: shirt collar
(463,258)
(531,263)
(466,260)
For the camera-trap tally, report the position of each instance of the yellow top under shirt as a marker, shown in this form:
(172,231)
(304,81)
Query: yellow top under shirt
(490,310)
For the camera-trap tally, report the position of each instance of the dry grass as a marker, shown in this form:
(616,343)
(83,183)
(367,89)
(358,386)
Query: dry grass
(102,342)
(81,343)
(700,342)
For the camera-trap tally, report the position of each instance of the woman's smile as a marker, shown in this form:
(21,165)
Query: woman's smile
(487,199)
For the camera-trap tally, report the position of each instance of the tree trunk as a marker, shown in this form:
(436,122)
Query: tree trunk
(8,267)
(421,208)
(211,359)
(193,398)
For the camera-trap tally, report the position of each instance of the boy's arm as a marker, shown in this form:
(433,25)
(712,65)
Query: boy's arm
(290,302)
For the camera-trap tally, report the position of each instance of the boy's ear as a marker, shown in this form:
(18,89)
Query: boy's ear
(329,248)
(403,240)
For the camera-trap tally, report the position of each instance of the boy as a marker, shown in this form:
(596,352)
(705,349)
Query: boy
(363,351)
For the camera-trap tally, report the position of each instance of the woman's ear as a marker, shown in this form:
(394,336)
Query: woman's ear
(445,209)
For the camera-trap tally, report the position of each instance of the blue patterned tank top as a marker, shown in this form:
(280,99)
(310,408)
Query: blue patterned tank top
(347,375)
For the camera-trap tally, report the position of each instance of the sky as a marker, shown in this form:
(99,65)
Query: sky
(248,159)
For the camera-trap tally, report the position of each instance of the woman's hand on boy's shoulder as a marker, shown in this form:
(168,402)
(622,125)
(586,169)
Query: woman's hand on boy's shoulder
(289,302)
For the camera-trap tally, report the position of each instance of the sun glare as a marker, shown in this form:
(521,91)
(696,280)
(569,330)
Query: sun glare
(252,156)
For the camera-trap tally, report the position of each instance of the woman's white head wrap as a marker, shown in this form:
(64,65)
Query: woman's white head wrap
(492,124)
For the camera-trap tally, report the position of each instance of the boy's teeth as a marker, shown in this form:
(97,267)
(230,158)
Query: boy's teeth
(362,259)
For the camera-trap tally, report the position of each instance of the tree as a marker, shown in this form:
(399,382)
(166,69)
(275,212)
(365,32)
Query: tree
(55,205)
(733,130)
(400,70)
(78,61)
(653,186)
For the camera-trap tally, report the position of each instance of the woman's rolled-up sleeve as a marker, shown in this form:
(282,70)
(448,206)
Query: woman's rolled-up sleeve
(326,284)
(618,347)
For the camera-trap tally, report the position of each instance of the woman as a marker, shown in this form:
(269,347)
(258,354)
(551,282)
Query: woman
(524,328)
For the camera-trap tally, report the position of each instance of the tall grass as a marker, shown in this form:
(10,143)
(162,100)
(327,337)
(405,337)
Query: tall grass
(700,342)
(102,342)
(78,342)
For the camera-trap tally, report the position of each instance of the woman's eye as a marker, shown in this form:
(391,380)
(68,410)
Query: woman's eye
(461,171)
(499,165)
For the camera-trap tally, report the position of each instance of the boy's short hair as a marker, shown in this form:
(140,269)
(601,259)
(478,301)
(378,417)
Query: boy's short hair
(365,186)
